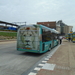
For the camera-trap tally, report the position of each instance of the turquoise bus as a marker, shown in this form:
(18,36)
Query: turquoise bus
(36,38)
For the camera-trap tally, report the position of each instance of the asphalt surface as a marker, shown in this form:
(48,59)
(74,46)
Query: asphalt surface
(13,62)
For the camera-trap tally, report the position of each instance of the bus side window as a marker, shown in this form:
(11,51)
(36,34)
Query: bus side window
(46,36)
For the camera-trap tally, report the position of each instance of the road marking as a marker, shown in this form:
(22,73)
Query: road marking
(48,66)
(44,61)
(31,73)
(37,68)
(41,64)
(46,58)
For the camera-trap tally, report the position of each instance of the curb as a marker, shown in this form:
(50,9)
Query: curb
(7,40)
(43,62)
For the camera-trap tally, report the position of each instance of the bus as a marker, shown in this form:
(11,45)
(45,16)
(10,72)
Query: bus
(73,37)
(36,38)
(69,35)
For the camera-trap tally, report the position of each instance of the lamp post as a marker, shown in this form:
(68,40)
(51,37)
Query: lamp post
(25,23)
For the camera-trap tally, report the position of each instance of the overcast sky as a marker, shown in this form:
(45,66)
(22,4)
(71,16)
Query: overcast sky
(33,11)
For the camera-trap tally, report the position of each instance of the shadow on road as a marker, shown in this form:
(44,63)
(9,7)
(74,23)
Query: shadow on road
(31,54)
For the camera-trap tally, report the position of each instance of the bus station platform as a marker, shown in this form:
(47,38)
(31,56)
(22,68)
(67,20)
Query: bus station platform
(62,62)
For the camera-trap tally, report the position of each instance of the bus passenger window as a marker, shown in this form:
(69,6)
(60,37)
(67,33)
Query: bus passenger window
(46,36)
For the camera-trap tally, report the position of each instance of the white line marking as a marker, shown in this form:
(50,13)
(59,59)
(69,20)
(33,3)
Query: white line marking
(37,68)
(46,58)
(44,61)
(41,64)
(31,73)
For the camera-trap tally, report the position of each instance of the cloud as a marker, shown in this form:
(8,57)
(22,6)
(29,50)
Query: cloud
(37,10)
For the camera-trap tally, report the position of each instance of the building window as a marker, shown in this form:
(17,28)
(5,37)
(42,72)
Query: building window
(48,25)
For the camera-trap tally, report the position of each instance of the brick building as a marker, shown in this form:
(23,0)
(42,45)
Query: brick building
(49,24)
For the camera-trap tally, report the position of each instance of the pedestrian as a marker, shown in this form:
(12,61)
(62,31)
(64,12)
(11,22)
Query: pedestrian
(60,39)
(69,39)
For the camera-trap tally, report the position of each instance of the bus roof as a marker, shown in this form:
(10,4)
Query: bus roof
(44,27)
(50,29)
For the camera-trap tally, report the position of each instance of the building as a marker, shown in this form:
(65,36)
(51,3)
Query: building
(58,29)
(67,29)
(49,24)
(63,28)
(60,26)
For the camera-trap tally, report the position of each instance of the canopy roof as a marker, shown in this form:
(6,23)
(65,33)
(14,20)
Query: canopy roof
(2,22)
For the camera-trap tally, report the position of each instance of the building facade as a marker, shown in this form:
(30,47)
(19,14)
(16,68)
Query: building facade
(67,29)
(61,27)
(49,24)
(58,29)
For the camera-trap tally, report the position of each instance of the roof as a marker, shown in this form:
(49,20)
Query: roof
(2,22)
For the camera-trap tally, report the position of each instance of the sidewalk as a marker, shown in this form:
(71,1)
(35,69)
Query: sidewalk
(62,62)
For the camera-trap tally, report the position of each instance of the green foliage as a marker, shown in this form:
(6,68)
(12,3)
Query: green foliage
(8,34)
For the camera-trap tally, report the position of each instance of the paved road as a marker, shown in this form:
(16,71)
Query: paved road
(13,62)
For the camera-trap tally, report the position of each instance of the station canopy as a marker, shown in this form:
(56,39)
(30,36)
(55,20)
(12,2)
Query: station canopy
(2,22)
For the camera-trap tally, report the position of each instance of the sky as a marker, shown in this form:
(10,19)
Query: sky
(33,11)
